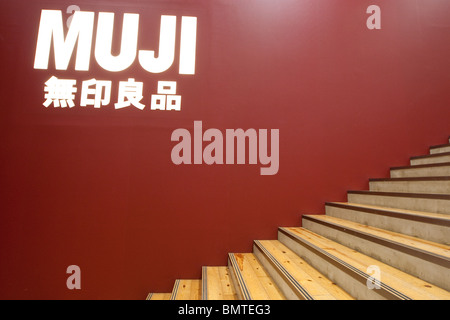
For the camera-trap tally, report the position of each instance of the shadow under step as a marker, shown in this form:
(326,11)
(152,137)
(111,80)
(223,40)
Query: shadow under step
(434,203)
(217,284)
(431,185)
(355,272)
(293,275)
(187,290)
(426,260)
(429,226)
(250,279)
(427,170)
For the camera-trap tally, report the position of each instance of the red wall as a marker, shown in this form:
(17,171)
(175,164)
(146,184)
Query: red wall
(97,188)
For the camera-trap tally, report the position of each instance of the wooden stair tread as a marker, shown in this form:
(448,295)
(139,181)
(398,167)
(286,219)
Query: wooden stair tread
(422,166)
(429,202)
(440,216)
(187,290)
(431,156)
(440,149)
(253,279)
(402,194)
(311,281)
(399,281)
(422,185)
(438,157)
(412,242)
(412,179)
(217,284)
(159,296)
(440,146)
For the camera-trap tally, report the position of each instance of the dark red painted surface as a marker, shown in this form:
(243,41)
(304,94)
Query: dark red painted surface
(97,188)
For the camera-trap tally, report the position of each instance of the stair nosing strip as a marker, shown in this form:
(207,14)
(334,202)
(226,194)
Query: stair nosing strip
(278,266)
(422,166)
(240,278)
(351,270)
(149,296)
(175,290)
(392,213)
(418,253)
(433,196)
(204,284)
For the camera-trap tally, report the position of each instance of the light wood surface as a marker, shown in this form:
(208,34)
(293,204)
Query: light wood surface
(187,290)
(312,281)
(440,149)
(434,187)
(424,202)
(218,284)
(406,284)
(433,227)
(405,211)
(424,245)
(436,158)
(159,296)
(425,171)
(254,278)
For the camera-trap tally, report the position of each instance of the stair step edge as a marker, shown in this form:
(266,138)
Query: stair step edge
(422,166)
(241,285)
(431,156)
(402,194)
(440,146)
(414,251)
(301,292)
(412,179)
(395,213)
(387,291)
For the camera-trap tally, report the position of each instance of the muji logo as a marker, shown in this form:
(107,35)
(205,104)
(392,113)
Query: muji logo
(81,30)
(97,92)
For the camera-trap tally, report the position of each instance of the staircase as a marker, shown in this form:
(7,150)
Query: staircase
(391,242)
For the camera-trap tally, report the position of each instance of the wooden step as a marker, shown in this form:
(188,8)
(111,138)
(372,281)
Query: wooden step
(434,203)
(427,170)
(434,185)
(426,260)
(353,271)
(159,296)
(429,226)
(217,284)
(250,279)
(187,290)
(430,159)
(443,148)
(293,275)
